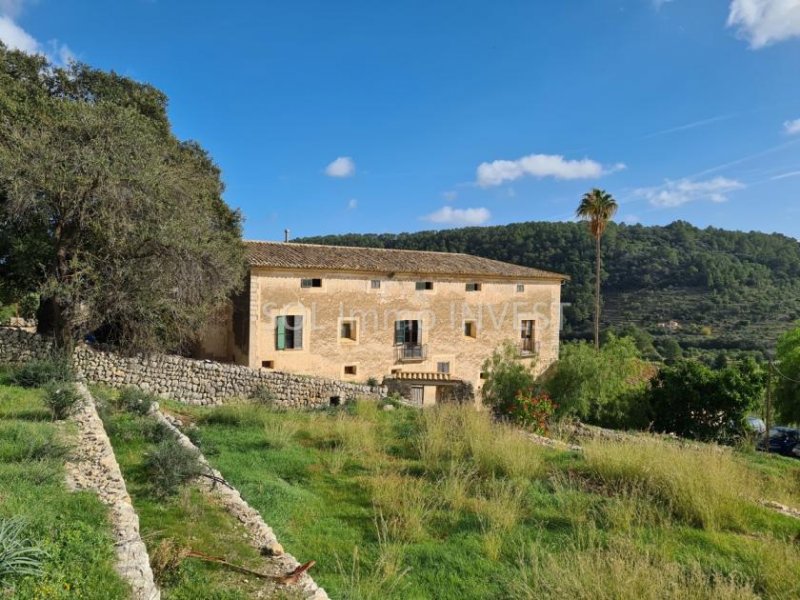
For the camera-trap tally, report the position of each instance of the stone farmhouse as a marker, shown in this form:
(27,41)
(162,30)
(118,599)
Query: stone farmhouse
(421,322)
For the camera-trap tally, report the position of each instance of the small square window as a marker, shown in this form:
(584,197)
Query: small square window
(443,367)
(471,329)
(310,283)
(424,285)
(375,284)
(520,288)
(473,287)
(350,370)
(348,330)
(267,364)
(484,375)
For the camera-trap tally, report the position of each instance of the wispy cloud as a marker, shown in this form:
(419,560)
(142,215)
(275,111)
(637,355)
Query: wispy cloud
(631,219)
(341,167)
(16,38)
(541,165)
(681,191)
(791,127)
(692,125)
(352,204)
(450,195)
(785,175)
(657,4)
(765,22)
(447,215)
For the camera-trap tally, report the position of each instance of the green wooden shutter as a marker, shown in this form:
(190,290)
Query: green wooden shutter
(280,333)
(399,332)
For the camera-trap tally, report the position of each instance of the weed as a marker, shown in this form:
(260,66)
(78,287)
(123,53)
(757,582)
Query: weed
(405,501)
(136,401)
(60,397)
(170,465)
(264,396)
(41,372)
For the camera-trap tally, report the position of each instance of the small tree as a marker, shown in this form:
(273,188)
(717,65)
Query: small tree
(605,387)
(506,377)
(787,398)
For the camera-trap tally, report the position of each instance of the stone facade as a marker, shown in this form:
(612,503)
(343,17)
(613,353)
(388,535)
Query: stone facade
(457,329)
(187,380)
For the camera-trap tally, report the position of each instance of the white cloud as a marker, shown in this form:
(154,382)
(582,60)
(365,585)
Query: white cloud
(791,127)
(352,204)
(341,167)
(447,215)
(540,165)
(11,8)
(681,191)
(657,4)
(764,22)
(785,175)
(16,38)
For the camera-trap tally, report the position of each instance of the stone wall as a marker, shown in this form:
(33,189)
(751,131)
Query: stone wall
(187,380)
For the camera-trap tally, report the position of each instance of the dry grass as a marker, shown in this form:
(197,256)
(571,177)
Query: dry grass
(590,570)
(700,486)
(406,502)
(453,434)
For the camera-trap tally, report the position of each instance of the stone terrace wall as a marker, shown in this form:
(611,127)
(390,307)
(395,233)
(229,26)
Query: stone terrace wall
(187,380)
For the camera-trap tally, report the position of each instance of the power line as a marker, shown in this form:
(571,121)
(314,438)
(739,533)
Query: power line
(784,376)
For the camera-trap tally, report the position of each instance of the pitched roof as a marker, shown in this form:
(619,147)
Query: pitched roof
(292,255)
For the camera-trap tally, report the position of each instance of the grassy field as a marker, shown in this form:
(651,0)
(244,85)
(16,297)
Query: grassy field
(188,519)
(71,528)
(446,504)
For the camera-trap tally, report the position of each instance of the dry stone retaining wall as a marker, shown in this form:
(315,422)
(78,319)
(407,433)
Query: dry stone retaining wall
(94,467)
(187,380)
(259,533)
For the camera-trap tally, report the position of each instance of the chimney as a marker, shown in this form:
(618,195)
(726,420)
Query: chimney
(285,235)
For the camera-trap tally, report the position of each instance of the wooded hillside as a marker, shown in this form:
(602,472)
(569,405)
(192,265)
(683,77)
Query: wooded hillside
(725,289)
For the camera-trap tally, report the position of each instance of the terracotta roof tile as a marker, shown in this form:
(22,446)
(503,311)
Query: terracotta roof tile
(291,255)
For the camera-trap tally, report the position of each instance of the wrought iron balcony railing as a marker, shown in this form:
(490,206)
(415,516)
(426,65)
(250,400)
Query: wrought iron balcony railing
(411,352)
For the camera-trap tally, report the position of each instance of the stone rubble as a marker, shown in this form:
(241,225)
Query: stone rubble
(259,533)
(94,467)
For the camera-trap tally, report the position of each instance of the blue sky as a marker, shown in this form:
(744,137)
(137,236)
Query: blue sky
(363,116)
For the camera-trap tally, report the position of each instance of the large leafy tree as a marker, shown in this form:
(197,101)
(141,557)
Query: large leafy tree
(597,208)
(119,226)
(787,398)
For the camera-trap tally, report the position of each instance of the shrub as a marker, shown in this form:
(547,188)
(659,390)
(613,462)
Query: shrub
(695,401)
(372,382)
(533,410)
(60,397)
(41,372)
(26,442)
(19,556)
(787,399)
(170,465)
(506,377)
(135,400)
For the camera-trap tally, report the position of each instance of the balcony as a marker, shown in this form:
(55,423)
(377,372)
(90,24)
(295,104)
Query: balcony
(529,347)
(411,352)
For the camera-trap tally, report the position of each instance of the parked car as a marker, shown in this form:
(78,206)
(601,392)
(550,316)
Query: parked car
(782,440)
(755,425)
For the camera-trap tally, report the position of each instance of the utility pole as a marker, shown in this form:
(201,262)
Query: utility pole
(768,411)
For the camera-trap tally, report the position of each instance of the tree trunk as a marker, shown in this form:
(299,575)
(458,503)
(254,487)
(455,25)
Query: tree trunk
(597,296)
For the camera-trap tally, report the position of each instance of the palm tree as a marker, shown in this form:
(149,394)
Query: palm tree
(597,207)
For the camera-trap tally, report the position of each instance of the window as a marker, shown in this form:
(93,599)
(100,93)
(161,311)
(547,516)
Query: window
(289,332)
(267,364)
(484,375)
(527,329)
(471,329)
(443,367)
(473,287)
(349,369)
(424,285)
(310,283)
(520,288)
(348,330)
(407,332)
(375,284)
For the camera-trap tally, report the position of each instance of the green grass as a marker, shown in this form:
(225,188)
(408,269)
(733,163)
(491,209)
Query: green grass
(189,519)
(72,528)
(404,504)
